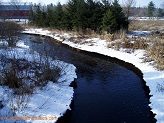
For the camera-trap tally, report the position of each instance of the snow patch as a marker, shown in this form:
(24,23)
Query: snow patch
(48,103)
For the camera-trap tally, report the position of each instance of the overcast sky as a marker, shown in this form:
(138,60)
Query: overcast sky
(140,3)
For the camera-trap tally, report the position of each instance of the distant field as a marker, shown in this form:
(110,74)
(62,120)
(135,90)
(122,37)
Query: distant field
(147,25)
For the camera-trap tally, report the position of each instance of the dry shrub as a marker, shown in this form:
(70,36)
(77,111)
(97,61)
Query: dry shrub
(153,44)
(140,43)
(9,32)
(15,76)
(156,52)
(117,45)
(24,76)
(129,43)
(107,37)
(161,35)
(121,34)
(47,74)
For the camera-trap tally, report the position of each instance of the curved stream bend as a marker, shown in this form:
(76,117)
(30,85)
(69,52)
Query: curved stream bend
(105,90)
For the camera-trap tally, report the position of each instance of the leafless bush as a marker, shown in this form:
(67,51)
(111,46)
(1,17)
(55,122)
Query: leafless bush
(23,77)
(19,102)
(9,32)
(15,75)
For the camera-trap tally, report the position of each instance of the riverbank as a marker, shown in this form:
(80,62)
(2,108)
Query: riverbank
(153,77)
(46,103)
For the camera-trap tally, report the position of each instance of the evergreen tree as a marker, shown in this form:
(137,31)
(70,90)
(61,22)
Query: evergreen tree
(49,15)
(114,19)
(108,22)
(77,11)
(160,13)
(67,20)
(70,13)
(81,15)
(94,14)
(32,15)
(39,16)
(106,4)
(150,9)
(57,20)
(80,20)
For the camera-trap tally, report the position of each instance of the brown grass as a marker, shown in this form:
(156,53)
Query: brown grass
(146,25)
(153,44)
(130,43)
(156,52)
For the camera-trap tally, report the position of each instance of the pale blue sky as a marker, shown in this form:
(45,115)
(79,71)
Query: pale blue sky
(140,3)
(146,2)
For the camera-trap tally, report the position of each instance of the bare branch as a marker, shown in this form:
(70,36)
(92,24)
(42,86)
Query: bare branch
(127,5)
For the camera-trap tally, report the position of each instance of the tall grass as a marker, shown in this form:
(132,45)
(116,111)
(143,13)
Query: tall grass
(156,52)
(155,49)
(146,25)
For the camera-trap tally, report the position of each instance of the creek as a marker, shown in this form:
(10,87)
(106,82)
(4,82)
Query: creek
(106,92)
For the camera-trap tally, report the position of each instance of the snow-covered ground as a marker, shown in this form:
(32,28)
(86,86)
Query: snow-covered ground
(47,104)
(146,18)
(152,76)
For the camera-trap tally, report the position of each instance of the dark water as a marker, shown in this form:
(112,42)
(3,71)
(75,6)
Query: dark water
(105,93)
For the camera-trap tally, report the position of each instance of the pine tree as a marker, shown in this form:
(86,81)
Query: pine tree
(114,19)
(57,20)
(49,15)
(80,21)
(150,9)
(94,14)
(32,16)
(160,13)
(106,4)
(77,11)
(80,15)
(70,12)
(39,16)
(67,20)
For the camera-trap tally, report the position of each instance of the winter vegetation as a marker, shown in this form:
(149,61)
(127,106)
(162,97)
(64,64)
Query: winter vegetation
(153,77)
(107,20)
(81,15)
(31,83)
(95,26)
(139,42)
(9,32)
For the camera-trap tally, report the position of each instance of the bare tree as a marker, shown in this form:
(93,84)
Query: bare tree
(127,6)
(9,32)
(16,5)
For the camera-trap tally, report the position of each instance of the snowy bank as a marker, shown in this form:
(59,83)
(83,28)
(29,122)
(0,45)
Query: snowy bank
(46,104)
(152,76)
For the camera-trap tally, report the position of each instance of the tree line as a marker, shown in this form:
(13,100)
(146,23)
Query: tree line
(81,15)
(153,11)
